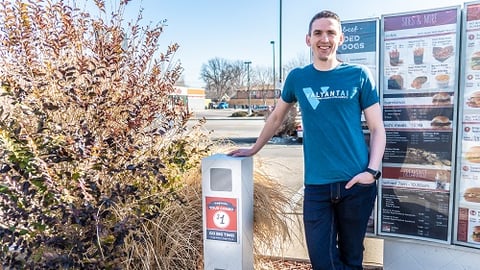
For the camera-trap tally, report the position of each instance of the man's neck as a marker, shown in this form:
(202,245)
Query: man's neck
(326,65)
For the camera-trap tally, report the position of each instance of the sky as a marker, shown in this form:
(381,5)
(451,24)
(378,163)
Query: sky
(242,29)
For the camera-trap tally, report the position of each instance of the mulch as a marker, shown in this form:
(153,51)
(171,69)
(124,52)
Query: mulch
(284,264)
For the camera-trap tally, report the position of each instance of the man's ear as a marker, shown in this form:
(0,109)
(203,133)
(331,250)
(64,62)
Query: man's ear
(342,39)
(307,40)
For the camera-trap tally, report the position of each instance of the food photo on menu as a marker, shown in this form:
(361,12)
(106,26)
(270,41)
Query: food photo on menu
(475,61)
(442,99)
(471,173)
(442,80)
(419,82)
(473,99)
(475,235)
(472,194)
(442,53)
(394,56)
(472,155)
(395,82)
(418,56)
(441,122)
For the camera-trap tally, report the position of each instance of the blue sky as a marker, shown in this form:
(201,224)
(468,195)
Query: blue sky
(242,29)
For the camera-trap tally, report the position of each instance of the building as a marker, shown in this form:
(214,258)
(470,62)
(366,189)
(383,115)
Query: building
(194,98)
(258,97)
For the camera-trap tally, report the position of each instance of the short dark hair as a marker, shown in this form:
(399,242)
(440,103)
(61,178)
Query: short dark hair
(324,14)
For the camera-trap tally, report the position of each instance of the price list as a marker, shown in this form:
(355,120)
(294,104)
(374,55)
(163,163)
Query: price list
(468,153)
(420,85)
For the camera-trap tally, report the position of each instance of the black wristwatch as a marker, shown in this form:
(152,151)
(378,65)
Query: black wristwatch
(376,174)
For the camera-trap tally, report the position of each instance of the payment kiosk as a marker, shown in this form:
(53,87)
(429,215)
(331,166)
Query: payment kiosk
(227,194)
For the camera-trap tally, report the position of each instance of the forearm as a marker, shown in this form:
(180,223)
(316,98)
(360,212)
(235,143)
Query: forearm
(377,147)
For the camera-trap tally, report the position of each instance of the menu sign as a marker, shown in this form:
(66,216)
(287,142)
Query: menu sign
(420,55)
(361,43)
(468,158)
(361,47)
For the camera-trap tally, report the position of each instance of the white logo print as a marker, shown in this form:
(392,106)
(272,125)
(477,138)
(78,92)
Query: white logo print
(327,93)
(311,97)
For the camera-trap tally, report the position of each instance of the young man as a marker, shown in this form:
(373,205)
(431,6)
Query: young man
(340,168)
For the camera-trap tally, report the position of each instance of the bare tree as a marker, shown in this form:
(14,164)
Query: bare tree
(263,82)
(300,61)
(222,77)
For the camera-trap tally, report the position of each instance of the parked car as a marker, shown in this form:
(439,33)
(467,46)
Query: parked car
(262,108)
(222,105)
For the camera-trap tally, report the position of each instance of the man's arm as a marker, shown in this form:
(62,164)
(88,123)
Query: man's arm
(374,118)
(271,126)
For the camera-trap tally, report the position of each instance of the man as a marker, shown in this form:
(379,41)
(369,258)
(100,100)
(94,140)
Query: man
(340,168)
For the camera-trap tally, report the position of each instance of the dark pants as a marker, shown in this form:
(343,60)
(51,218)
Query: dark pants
(335,222)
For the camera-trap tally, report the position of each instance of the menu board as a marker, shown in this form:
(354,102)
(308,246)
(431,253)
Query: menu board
(361,44)
(361,47)
(420,52)
(468,157)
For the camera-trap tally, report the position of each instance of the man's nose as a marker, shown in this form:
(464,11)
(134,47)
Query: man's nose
(324,37)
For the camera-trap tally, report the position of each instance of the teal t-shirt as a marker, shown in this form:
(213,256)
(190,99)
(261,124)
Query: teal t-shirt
(331,103)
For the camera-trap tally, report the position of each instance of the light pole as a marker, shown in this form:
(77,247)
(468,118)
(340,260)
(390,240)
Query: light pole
(273,73)
(280,70)
(248,87)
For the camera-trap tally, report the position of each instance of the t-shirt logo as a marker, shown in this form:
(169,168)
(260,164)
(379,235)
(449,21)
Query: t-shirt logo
(327,93)
(311,97)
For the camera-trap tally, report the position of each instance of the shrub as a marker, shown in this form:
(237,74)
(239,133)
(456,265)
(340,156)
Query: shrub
(92,143)
(98,166)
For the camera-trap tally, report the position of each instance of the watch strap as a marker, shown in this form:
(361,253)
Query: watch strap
(376,174)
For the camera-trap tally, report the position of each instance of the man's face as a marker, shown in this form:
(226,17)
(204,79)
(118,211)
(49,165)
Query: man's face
(325,38)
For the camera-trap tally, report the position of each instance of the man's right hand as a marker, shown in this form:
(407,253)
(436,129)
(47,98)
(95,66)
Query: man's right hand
(242,152)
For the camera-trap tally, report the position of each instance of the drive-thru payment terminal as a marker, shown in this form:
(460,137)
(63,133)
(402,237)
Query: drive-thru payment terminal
(227,194)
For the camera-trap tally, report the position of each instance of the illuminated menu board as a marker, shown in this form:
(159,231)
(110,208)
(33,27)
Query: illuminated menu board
(420,52)
(468,151)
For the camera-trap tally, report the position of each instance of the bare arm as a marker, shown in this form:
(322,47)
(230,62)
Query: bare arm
(373,116)
(271,126)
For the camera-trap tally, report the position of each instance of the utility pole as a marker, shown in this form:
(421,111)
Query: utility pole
(280,70)
(273,74)
(248,87)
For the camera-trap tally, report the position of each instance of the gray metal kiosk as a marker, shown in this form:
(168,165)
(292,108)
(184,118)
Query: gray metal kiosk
(227,194)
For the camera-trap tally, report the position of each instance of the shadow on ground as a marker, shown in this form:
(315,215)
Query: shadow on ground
(274,140)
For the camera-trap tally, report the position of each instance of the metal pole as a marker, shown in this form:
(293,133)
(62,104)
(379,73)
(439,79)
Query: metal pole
(273,74)
(280,70)
(248,87)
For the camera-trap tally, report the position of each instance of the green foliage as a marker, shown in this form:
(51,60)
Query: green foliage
(91,142)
